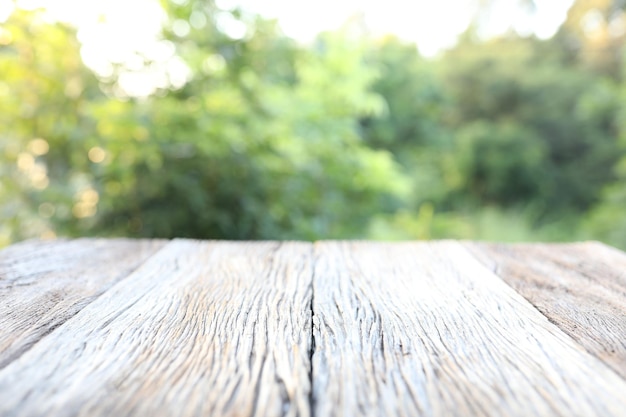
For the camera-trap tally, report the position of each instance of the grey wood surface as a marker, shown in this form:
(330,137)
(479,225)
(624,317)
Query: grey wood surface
(201,329)
(424,329)
(209,328)
(44,283)
(580,287)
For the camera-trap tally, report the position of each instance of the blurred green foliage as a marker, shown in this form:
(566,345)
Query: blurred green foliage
(513,138)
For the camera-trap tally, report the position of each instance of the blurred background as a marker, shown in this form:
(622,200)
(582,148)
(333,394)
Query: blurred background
(496,120)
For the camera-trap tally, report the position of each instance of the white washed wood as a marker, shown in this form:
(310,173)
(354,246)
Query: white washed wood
(424,329)
(44,283)
(580,287)
(201,329)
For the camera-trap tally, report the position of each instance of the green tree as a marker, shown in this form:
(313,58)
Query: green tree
(414,99)
(607,220)
(249,157)
(410,127)
(563,116)
(244,149)
(593,35)
(46,130)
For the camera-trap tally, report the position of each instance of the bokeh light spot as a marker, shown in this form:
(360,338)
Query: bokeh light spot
(96,154)
(38,146)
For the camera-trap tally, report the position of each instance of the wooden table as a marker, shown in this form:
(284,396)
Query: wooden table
(95,327)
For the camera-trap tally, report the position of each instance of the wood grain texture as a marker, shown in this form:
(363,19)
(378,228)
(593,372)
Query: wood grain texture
(44,283)
(580,287)
(200,329)
(424,329)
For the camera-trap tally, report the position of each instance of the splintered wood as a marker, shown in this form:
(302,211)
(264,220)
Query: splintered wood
(199,329)
(99,327)
(424,329)
(42,284)
(581,288)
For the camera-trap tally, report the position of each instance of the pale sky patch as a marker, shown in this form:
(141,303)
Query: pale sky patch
(118,31)
(432,25)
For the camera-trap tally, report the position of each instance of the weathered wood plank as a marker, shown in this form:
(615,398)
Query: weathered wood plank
(425,329)
(580,287)
(200,329)
(44,283)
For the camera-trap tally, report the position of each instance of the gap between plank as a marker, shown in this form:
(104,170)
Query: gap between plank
(312,334)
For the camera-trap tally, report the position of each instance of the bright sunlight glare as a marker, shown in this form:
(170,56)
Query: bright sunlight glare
(432,25)
(125,32)
(114,29)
